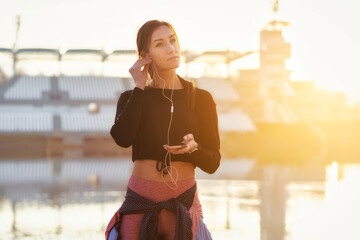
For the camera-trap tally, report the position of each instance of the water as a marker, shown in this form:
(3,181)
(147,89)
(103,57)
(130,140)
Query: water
(264,202)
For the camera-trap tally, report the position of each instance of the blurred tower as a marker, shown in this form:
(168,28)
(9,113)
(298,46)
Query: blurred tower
(14,47)
(274,78)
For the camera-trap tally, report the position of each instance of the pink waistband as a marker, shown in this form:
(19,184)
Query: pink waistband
(158,191)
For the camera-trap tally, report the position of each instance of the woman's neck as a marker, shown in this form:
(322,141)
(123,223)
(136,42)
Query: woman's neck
(170,77)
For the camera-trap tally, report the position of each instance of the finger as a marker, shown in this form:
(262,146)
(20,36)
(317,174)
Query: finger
(141,62)
(168,149)
(188,137)
(146,68)
(173,151)
(184,150)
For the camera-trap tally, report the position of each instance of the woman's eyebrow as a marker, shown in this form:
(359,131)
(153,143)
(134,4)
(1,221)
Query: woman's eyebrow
(172,35)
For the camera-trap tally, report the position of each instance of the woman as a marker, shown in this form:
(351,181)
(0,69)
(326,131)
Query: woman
(172,127)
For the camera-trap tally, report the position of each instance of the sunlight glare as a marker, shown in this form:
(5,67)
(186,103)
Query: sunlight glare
(332,174)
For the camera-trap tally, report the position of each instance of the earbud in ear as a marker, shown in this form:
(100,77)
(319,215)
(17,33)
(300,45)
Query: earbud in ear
(144,54)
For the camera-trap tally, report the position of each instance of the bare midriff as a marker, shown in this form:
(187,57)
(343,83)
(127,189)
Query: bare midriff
(146,169)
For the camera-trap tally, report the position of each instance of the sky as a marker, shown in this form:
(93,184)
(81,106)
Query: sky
(324,34)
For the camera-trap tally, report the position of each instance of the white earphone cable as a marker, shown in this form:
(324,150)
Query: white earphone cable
(168,168)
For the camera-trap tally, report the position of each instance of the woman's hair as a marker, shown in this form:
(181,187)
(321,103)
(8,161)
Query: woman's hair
(143,40)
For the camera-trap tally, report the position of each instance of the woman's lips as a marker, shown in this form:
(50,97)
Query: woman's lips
(173,58)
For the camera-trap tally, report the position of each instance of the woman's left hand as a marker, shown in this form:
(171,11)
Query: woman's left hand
(190,145)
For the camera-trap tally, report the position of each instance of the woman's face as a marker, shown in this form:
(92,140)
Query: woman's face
(164,49)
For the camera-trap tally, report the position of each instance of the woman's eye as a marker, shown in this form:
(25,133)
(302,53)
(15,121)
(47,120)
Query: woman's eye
(158,45)
(173,40)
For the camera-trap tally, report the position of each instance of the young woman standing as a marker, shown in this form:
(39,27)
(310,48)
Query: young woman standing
(172,127)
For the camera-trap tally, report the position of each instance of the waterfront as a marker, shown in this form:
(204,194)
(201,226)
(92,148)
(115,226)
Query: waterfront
(264,202)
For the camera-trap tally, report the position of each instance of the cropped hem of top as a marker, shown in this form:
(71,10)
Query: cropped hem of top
(142,121)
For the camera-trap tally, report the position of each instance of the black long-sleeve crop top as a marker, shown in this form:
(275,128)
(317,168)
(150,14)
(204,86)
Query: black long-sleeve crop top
(142,120)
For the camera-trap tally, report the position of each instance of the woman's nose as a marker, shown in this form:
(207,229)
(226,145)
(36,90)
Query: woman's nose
(171,48)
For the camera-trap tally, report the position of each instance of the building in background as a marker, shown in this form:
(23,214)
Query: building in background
(71,116)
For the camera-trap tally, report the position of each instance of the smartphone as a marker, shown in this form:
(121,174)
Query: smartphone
(179,146)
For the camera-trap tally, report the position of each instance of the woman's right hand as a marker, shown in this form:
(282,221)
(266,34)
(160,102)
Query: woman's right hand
(140,76)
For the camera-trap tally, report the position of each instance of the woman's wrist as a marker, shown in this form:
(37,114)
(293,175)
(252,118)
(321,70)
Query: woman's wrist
(140,85)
